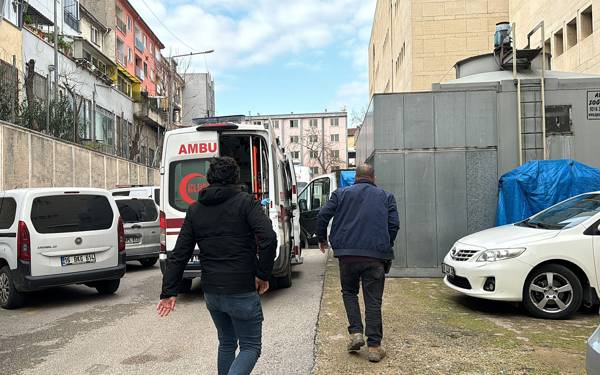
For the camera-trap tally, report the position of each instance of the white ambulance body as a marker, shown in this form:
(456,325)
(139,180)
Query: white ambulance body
(265,172)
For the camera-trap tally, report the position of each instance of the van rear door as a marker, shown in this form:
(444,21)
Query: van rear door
(71,232)
(187,158)
(140,218)
(297,245)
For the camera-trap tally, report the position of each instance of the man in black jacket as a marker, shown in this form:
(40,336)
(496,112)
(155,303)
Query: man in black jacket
(228,226)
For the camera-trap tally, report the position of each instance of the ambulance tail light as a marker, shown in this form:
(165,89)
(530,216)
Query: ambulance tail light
(163,232)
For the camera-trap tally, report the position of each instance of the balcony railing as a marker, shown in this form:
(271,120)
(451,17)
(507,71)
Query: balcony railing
(139,73)
(121,25)
(139,44)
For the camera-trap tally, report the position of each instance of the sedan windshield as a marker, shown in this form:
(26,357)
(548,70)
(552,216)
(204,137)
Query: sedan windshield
(566,214)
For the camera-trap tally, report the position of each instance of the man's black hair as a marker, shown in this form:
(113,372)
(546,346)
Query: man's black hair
(223,170)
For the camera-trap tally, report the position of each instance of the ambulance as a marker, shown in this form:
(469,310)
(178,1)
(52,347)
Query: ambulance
(266,172)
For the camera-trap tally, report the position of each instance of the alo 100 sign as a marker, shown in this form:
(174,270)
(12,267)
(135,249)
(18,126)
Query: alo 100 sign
(593,105)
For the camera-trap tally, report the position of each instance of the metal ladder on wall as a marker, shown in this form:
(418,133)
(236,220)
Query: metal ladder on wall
(531,108)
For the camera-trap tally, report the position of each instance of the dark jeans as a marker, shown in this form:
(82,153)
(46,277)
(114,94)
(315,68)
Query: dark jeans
(238,318)
(372,276)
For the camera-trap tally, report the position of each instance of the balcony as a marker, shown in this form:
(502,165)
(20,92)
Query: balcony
(147,111)
(139,44)
(72,21)
(121,25)
(139,73)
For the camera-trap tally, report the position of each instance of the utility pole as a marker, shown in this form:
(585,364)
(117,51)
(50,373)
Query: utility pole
(55,51)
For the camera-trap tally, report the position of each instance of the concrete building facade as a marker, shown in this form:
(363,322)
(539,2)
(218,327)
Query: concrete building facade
(415,43)
(314,140)
(198,97)
(571,35)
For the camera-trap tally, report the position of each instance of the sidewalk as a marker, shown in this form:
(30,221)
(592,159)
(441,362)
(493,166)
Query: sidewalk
(430,329)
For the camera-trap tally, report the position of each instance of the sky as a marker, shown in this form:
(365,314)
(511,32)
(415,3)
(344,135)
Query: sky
(271,56)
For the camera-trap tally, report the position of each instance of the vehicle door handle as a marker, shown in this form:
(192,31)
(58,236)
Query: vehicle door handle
(136,226)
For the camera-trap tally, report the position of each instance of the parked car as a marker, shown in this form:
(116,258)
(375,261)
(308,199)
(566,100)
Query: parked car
(59,236)
(593,353)
(142,229)
(136,191)
(549,261)
(314,196)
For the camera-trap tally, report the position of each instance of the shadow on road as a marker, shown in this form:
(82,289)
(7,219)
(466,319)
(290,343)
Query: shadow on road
(134,266)
(64,296)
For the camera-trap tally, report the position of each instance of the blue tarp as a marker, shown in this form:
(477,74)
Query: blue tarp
(537,185)
(347,178)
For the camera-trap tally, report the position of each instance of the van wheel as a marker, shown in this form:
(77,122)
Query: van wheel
(10,297)
(185,286)
(108,286)
(552,292)
(148,262)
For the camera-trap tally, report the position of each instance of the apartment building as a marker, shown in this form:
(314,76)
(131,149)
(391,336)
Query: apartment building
(352,148)
(570,29)
(198,96)
(415,43)
(315,140)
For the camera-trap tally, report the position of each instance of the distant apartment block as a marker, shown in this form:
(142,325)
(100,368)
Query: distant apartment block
(415,43)
(198,97)
(315,140)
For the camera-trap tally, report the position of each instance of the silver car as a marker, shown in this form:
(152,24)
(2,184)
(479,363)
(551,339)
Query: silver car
(593,353)
(142,229)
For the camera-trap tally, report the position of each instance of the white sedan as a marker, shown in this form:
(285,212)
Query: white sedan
(549,261)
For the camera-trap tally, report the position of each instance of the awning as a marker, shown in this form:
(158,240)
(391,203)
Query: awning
(129,76)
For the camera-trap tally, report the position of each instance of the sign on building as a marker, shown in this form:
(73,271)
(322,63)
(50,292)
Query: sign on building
(593,105)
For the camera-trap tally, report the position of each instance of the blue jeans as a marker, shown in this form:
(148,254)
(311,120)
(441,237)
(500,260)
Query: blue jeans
(238,318)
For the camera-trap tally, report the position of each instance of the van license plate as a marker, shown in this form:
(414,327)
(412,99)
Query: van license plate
(132,240)
(448,270)
(78,259)
(195,259)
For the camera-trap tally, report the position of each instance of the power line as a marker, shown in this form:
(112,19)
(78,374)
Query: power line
(166,28)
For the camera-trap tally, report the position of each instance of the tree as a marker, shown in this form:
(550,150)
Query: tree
(322,150)
(358,116)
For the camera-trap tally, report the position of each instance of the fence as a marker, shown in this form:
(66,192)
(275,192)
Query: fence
(9,91)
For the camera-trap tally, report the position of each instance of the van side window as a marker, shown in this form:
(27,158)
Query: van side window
(304,199)
(157,196)
(8,210)
(320,193)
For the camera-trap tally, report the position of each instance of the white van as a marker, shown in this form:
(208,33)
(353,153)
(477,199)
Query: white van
(58,236)
(266,173)
(138,191)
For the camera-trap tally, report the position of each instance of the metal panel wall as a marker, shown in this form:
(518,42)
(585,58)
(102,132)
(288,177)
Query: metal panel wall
(450,119)
(418,121)
(388,112)
(481,119)
(482,190)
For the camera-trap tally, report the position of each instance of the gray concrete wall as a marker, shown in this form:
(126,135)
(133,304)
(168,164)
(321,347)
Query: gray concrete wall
(198,97)
(31,159)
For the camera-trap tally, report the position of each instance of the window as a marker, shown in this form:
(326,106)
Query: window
(335,122)
(587,24)
(313,122)
(256,122)
(314,154)
(567,214)
(8,209)
(313,138)
(120,23)
(295,154)
(145,69)
(558,120)
(294,139)
(95,36)
(137,210)
(558,43)
(129,23)
(335,137)
(572,33)
(105,126)
(335,153)
(314,170)
(129,56)
(275,124)
(293,123)
(182,192)
(123,84)
(145,40)
(71,213)
(157,196)
(316,194)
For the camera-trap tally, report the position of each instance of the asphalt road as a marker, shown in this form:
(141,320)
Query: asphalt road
(73,330)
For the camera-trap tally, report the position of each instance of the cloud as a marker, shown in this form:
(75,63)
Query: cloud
(249,33)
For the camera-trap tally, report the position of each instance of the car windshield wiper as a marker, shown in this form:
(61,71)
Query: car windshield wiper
(542,225)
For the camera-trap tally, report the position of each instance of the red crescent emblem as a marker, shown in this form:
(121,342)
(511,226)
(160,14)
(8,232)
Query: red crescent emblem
(184,184)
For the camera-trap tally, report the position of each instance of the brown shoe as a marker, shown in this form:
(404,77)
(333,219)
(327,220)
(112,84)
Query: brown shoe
(356,342)
(376,354)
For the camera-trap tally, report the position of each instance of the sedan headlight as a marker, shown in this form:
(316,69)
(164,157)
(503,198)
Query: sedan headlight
(500,254)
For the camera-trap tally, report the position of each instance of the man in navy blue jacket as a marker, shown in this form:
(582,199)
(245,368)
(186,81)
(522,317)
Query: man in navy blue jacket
(365,224)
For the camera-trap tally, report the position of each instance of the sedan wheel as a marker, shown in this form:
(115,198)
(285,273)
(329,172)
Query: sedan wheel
(553,292)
